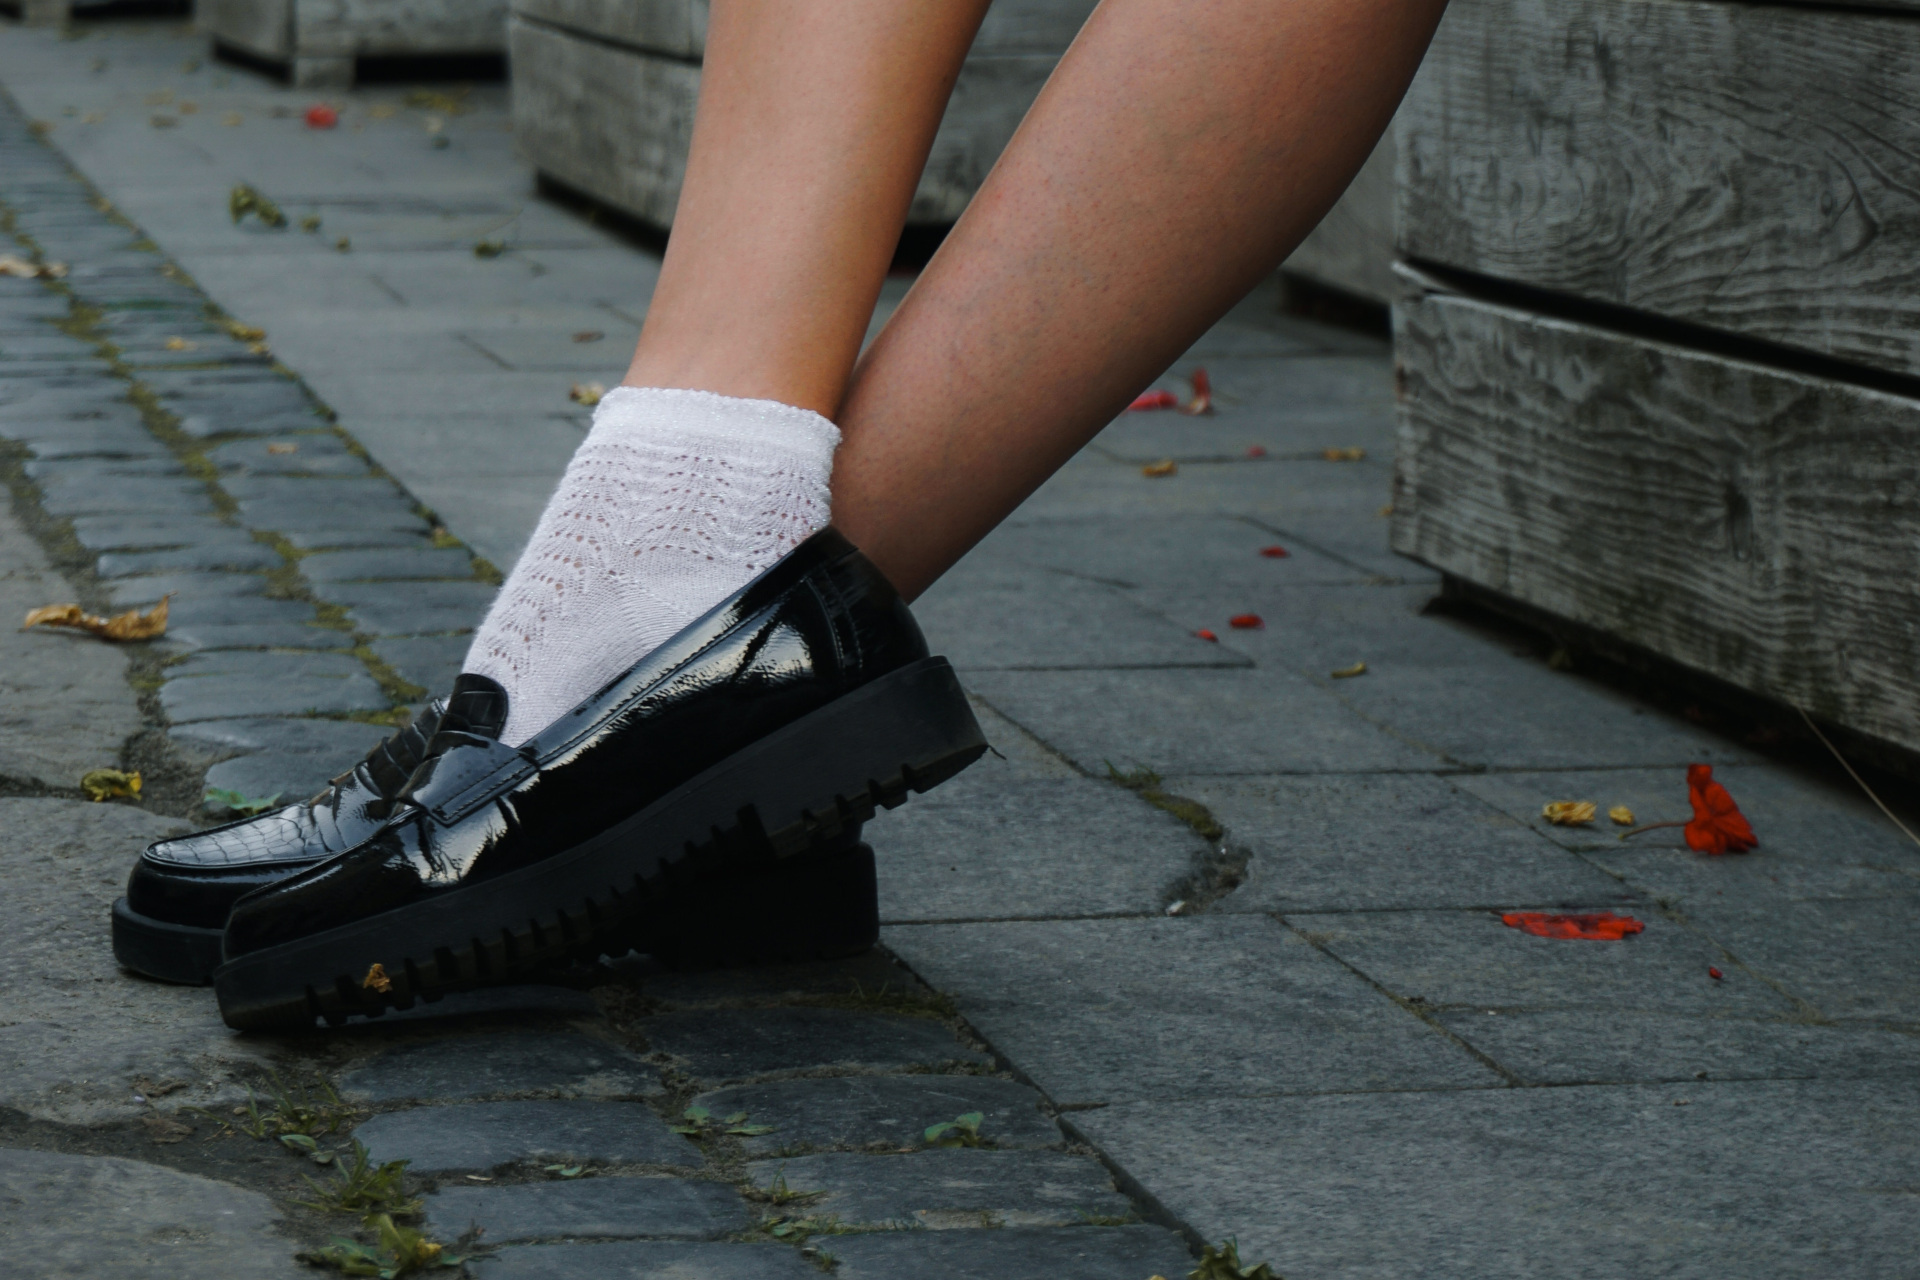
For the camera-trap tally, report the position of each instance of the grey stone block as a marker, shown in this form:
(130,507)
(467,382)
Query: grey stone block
(226,686)
(1847,959)
(561,1065)
(869,972)
(413,608)
(647,1260)
(287,777)
(431,662)
(299,496)
(43,344)
(1032,619)
(392,527)
(237,552)
(992,846)
(884,1112)
(114,433)
(949,1188)
(184,588)
(1188,1007)
(1776,1179)
(1169,552)
(128,495)
(1469,959)
(71,1215)
(311,453)
(1017,1253)
(129,533)
(281,736)
(398,565)
(254,635)
(736,1044)
(1605,1046)
(590,1209)
(220,611)
(1262,721)
(485,1135)
(1376,841)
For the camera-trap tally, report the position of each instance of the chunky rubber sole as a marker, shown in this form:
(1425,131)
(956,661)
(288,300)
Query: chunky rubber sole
(817,906)
(790,792)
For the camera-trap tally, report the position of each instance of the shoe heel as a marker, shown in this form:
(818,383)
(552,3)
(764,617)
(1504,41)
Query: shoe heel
(821,906)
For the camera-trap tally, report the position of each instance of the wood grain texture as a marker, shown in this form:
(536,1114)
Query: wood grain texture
(616,122)
(360,28)
(263,28)
(1752,168)
(1352,248)
(1757,525)
(679,27)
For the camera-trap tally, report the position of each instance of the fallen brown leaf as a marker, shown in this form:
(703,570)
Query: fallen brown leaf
(587,393)
(165,1129)
(122,627)
(1621,815)
(282,450)
(182,344)
(1569,813)
(1348,673)
(1343,455)
(109,784)
(1164,467)
(588,335)
(377,979)
(151,1089)
(20,268)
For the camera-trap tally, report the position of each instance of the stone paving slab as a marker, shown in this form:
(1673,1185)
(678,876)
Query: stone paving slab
(129,533)
(184,587)
(563,1065)
(431,662)
(727,1044)
(322,737)
(224,686)
(645,1260)
(948,1188)
(290,634)
(1625,1047)
(1016,1253)
(1194,721)
(1223,551)
(421,608)
(486,1135)
(590,1209)
(143,1222)
(238,551)
(1847,959)
(885,1112)
(1469,959)
(408,565)
(1105,1011)
(1380,841)
(312,453)
(1777,1179)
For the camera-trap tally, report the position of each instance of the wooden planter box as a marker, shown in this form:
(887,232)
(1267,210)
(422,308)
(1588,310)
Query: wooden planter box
(1675,398)
(318,40)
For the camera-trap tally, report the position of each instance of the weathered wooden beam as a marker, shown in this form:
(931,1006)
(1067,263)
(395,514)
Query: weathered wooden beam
(1754,524)
(1753,168)
(319,39)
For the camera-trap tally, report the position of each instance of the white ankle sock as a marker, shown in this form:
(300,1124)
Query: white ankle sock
(674,501)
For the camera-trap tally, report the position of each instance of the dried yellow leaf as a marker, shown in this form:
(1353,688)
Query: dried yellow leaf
(282,449)
(22,269)
(1343,455)
(376,979)
(105,784)
(122,627)
(1164,467)
(1569,813)
(1621,815)
(587,393)
(245,332)
(182,344)
(1348,673)
(232,119)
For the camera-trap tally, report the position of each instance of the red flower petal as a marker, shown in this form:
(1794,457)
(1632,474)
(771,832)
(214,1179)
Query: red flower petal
(1245,622)
(1275,553)
(322,116)
(1256,451)
(1718,826)
(1599,926)
(1714,973)
(1155,400)
(1205,634)
(1202,401)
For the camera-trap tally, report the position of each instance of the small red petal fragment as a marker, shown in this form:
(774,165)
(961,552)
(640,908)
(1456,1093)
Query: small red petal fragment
(1599,926)
(1202,401)
(1275,553)
(1718,826)
(1714,973)
(1205,634)
(1256,451)
(1245,622)
(322,116)
(1155,400)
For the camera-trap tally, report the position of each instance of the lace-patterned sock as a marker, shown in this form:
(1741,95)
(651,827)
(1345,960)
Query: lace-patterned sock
(672,503)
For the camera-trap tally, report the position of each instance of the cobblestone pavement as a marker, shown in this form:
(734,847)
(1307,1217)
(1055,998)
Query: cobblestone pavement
(1214,949)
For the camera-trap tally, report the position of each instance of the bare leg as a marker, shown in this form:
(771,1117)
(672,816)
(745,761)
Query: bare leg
(814,123)
(1180,152)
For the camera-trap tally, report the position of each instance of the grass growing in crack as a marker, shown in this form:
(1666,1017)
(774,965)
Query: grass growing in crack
(361,1186)
(887,999)
(778,1192)
(399,1251)
(1222,1262)
(1145,783)
(698,1123)
(293,1109)
(793,1230)
(961,1131)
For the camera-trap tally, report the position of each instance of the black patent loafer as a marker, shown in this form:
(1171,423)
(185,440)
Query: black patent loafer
(169,924)
(764,731)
